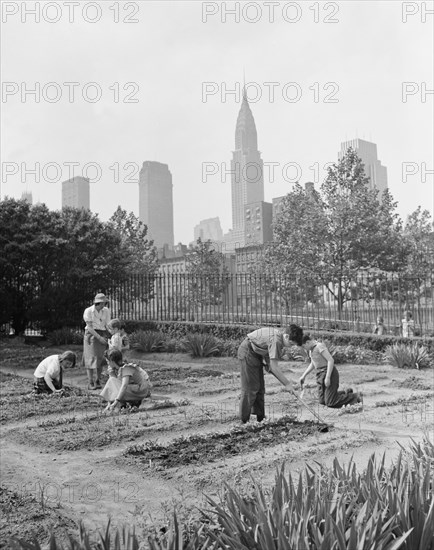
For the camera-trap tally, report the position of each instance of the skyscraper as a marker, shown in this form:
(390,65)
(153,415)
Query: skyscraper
(209,229)
(258,220)
(27,196)
(156,202)
(247,173)
(367,151)
(76,193)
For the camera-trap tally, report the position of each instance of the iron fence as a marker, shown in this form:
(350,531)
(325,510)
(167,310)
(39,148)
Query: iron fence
(255,299)
(236,299)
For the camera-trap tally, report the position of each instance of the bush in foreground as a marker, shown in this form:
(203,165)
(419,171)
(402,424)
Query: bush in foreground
(384,508)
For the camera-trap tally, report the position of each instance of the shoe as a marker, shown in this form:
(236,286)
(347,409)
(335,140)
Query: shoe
(98,385)
(91,387)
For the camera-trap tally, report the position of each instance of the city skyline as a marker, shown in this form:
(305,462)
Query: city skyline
(187,105)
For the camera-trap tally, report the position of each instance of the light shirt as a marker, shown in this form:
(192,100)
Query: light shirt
(267,341)
(119,341)
(316,356)
(99,319)
(408,328)
(50,365)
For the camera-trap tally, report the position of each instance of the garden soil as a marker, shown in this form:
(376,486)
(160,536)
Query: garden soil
(64,462)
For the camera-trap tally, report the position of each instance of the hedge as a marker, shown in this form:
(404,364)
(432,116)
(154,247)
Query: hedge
(176,329)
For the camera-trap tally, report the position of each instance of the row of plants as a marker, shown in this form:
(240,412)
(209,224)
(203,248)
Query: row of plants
(338,508)
(370,342)
(408,354)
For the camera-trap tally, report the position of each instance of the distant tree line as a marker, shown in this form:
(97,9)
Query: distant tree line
(327,238)
(53,262)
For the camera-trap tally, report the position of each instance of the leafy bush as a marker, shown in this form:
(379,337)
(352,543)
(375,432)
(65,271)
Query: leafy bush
(338,508)
(64,336)
(173,345)
(229,348)
(407,356)
(295,353)
(147,341)
(201,345)
(365,341)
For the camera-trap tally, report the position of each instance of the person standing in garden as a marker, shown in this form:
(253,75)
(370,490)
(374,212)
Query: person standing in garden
(379,327)
(263,348)
(96,335)
(327,375)
(407,325)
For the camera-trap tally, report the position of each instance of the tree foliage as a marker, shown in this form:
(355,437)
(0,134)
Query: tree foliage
(139,251)
(207,273)
(330,237)
(53,262)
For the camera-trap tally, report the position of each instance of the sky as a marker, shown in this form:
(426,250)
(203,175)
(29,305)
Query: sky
(155,81)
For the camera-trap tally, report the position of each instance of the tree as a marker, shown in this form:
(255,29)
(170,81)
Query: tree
(418,243)
(140,251)
(332,236)
(207,275)
(52,263)
(141,260)
(289,263)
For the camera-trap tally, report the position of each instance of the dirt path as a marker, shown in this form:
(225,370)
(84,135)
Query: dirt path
(94,483)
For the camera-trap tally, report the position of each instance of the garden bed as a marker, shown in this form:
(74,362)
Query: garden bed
(136,466)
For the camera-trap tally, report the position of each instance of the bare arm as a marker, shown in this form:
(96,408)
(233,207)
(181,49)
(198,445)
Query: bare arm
(125,382)
(306,372)
(116,402)
(330,366)
(49,382)
(89,327)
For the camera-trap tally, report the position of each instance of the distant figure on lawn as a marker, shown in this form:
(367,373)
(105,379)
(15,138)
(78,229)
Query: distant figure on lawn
(407,325)
(119,339)
(379,327)
(263,348)
(96,317)
(127,384)
(327,375)
(48,376)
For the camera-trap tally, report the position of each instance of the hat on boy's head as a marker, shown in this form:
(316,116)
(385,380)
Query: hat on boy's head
(100,299)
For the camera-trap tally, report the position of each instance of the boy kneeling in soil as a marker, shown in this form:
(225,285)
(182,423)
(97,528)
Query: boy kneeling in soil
(48,376)
(327,375)
(127,384)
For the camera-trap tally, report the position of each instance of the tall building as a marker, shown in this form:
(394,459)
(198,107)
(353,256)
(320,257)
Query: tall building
(257,223)
(156,202)
(367,151)
(76,193)
(247,170)
(27,196)
(209,229)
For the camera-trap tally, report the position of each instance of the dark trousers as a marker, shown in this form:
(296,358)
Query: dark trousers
(331,397)
(40,386)
(252,383)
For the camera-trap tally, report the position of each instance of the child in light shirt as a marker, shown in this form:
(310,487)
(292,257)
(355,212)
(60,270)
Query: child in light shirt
(119,339)
(407,324)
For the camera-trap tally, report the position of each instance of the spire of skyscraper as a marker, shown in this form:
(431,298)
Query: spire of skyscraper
(247,181)
(245,131)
